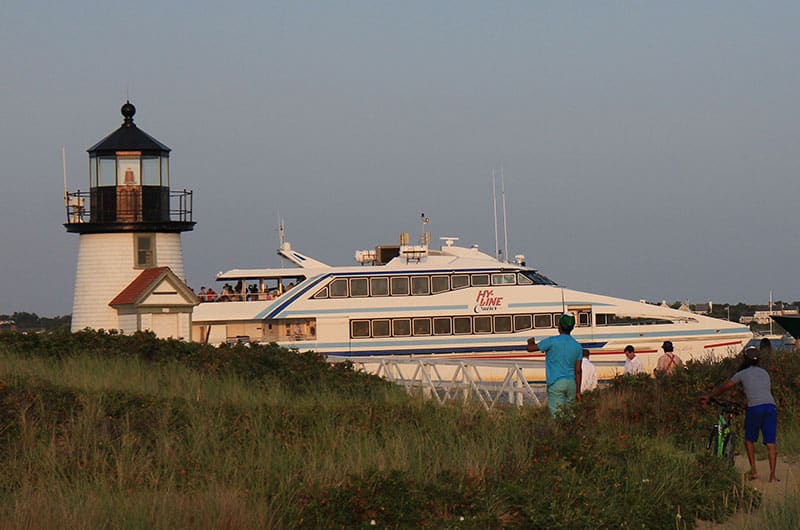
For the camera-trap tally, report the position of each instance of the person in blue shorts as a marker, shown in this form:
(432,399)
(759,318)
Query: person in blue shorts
(761,414)
(562,361)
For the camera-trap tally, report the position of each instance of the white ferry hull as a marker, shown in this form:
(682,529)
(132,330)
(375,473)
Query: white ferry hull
(348,313)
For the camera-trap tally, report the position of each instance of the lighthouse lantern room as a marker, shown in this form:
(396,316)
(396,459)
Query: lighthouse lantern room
(130,223)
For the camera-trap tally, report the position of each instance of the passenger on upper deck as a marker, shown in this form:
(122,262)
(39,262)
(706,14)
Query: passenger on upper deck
(227,293)
(202,294)
(211,295)
(263,293)
(252,292)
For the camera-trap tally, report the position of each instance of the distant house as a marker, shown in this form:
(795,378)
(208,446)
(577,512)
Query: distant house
(704,308)
(8,325)
(761,313)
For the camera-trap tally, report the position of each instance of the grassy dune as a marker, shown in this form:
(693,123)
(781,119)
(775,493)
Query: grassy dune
(108,431)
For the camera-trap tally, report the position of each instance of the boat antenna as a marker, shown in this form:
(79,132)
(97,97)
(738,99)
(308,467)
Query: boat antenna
(64,167)
(494,207)
(505,219)
(770,312)
(563,303)
(424,235)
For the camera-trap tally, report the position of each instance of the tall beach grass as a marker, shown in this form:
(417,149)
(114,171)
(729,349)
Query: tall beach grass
(109,431)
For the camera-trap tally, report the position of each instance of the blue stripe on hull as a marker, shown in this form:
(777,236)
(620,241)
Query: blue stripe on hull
(440,351)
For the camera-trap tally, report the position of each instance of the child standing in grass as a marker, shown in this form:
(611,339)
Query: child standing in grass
(761,414)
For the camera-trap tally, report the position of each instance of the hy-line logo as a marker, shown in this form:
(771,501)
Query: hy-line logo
(487,301)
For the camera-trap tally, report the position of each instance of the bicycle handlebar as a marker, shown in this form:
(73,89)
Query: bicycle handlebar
(726,406)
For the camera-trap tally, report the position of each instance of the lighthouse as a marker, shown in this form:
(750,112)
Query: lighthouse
(130,274)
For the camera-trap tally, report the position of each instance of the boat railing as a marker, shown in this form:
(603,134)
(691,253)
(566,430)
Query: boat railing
(249,296)
(457,379)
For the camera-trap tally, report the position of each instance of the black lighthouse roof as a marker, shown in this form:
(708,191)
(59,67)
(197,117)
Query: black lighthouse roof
(129,187)
(128,137)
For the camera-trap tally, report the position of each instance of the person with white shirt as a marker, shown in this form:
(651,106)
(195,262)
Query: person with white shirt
(633,365)
(588,373)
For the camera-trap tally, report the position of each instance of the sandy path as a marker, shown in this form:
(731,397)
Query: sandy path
(787,470)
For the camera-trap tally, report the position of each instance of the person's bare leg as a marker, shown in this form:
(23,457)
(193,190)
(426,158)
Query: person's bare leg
(751,457)
(772,450)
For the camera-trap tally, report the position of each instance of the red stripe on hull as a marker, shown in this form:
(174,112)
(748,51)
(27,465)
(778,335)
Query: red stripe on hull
(721,344)
(614,352)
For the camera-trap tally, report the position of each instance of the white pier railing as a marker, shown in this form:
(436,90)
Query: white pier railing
(458,379)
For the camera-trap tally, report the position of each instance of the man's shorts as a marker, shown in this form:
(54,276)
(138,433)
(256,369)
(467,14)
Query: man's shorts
(762,418)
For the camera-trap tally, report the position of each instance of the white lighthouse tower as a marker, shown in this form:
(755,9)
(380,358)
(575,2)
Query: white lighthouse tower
(130,272)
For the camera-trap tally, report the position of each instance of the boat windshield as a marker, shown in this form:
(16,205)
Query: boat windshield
(537,278)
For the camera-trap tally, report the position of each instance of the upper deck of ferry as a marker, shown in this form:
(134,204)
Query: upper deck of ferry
(269,283)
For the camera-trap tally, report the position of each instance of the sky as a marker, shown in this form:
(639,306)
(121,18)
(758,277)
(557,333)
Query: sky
(649,150)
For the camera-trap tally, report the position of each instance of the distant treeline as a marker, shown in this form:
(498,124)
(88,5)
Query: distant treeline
(22,321)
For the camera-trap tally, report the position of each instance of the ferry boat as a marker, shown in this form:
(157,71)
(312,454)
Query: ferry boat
(451,303)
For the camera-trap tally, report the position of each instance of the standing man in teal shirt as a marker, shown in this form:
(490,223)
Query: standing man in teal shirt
(562,361)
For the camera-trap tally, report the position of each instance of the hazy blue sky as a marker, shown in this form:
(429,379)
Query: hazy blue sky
(650,149)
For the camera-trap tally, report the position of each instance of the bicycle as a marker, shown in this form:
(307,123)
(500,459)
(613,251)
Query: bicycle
(722,439)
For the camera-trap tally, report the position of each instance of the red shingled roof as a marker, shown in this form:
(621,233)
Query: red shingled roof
(139,286)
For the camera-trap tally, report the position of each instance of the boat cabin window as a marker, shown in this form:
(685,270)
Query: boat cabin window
(538,279)
(380,328)
(339,288)
(522,322)
(401,327)
(584,319)
(483,324)
(543,321)
(359,287)
(460,281)
(440,284)
(423,285)
(502,324)
(442,326)
(480,280)
(420,285)
(504,278)
(610,319)
(379,286)
(422,326)
(462,325)
(399,286)
(359,328)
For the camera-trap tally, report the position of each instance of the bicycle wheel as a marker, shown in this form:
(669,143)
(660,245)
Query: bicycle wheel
(729,447)
(711,445)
